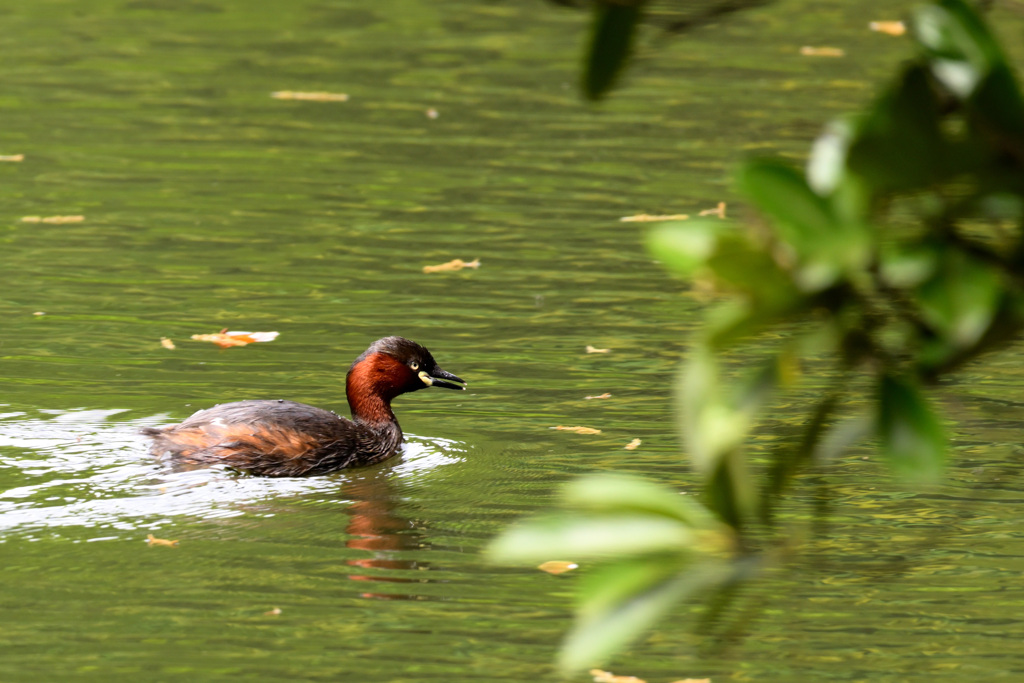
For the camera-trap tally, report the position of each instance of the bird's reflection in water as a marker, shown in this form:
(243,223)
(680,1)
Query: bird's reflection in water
(385,537)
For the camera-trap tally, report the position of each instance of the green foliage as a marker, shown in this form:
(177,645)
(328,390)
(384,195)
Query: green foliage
(908,430)
(627,597)
(615,24)
(896,304)
(665,548)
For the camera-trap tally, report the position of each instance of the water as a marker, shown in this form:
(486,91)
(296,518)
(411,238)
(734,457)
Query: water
(209,204)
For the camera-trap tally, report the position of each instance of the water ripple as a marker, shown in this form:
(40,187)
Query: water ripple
(81,468)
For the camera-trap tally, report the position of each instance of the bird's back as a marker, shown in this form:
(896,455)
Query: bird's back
(271,438)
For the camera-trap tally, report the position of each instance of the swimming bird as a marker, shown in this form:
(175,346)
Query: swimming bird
(288,439)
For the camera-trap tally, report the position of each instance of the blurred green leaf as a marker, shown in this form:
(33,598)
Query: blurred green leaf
(757,388)
(826,165)
(837,438)
(614,26)
(823,246)
(937,357)
(1002,206)
(704,247)
(579,537)
(603,627)
(960,45)
(960,300)
(848,194)
(898,145)
(729,492)
(684,247)
(998,109)
(903,266)
(715,425)
(782,194)
(603,587)
(911,436)
(711,426)
(620,493)
(750,268)
(732,321)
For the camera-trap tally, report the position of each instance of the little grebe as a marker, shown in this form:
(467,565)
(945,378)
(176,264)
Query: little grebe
(288,439)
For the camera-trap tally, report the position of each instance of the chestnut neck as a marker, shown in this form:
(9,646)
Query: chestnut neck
(370,386)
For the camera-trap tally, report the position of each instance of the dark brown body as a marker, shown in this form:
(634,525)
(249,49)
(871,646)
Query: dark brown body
(276,439)
(286,439)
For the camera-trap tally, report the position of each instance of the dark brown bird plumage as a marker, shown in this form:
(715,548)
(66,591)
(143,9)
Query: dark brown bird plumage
(288,439)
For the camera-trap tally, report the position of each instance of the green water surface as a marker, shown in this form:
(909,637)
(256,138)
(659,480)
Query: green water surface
(209,204)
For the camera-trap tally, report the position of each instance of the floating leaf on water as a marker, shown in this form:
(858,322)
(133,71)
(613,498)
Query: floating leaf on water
(455,264)
(12,157)
(154,541)
(647,218)
(693,680)
(432,113)
(53,219)
(310,96)
(811,51)
(892,28)
(272,612)
(599,396)
(39,313)
(167,343)
(557,567)
(225,339)
(633,445)
(592,349)
(578,430)
(717,211)
(608,677)
(222,340)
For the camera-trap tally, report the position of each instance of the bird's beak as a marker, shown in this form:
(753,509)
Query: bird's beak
(440,378)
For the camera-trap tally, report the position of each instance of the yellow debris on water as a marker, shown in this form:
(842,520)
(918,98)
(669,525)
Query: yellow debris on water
(892,28)
(557,567)
(154,541)
(717,211)
(226,339)
(577,430)
(608,677)
(167,343)
(454,264)
(822,51)
(310,96)
(12,157)
(633,445)
(604,395)
(647,218)
(594,349)
(52,219)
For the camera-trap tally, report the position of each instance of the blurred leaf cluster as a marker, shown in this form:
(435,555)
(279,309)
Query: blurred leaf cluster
(616,24)
(897,256)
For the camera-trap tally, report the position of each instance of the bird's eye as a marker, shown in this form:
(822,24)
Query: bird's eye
(414,365)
